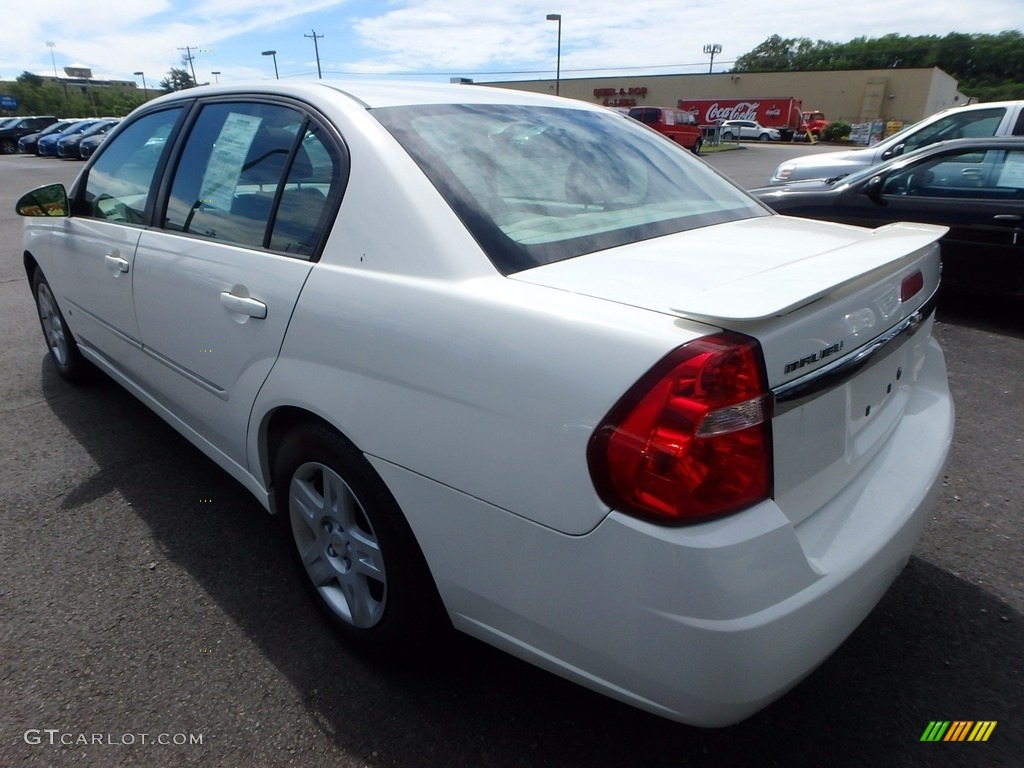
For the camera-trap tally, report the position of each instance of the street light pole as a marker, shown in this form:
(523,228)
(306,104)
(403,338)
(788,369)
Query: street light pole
(558,60)
(51,45)
(145,92)
(713,49)
(274,54)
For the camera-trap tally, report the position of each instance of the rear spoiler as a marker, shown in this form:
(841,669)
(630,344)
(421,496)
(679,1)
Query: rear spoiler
(780,290)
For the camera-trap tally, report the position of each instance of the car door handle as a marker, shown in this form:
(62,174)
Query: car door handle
(1006,217)
(115,263)
(243,305)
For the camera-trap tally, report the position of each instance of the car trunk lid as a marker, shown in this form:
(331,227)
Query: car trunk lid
(833,308)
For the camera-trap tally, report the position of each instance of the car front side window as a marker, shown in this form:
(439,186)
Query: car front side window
(968,174)
(120,183)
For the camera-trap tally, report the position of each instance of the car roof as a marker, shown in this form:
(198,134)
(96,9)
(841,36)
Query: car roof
(372,94)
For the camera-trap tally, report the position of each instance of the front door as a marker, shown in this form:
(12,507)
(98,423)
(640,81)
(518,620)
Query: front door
(216,283)
(98,241)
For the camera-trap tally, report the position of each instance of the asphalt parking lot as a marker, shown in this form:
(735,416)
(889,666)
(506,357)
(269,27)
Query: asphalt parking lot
(149,616)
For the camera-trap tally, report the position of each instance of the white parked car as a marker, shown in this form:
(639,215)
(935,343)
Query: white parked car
(514,364)
(748,129)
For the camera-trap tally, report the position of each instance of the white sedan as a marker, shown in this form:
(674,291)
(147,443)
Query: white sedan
(513,364)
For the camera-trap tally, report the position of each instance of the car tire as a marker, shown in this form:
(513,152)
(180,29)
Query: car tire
(60,342)
(697,145)
(764,137)
(8,147)
(727,136)
(353,548)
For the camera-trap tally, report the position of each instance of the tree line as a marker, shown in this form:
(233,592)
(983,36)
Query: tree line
(987,67)
(39,96)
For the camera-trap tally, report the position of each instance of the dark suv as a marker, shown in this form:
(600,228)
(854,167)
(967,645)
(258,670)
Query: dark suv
(22,126)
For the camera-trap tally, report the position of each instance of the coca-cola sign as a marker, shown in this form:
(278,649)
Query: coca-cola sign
(744,110)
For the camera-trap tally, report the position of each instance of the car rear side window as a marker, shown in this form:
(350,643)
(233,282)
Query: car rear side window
(120,183)
(257,175)
(968,174)
(309,195)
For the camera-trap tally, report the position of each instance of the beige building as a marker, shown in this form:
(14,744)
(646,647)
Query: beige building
(856,96)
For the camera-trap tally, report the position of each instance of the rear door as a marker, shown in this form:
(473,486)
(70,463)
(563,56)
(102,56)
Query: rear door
(250,203)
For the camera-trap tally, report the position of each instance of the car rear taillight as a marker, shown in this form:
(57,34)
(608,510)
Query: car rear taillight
(911,286)
(692,439)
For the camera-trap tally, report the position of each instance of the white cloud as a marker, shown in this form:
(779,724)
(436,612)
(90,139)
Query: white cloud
(453,36)
(597,34)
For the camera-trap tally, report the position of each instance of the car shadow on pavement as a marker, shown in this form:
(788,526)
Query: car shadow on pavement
(996,314)
(936,647)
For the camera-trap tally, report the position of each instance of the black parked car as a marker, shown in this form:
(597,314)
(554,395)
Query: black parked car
(27,145)
(22,126)
(973,186)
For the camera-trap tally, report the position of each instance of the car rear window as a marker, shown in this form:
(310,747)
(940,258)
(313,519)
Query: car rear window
(540,185)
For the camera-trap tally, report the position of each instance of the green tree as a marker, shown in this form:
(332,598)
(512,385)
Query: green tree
(177,80)
(30,80)
(38,97)
(988,67)
(775,54)
(837,130)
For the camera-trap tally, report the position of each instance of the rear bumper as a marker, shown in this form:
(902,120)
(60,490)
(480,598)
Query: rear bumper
(703,624)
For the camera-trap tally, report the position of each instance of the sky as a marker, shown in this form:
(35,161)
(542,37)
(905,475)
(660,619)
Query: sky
(439,39)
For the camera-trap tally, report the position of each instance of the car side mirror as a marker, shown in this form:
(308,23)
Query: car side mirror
(51,200)
(894,152)
(873,188)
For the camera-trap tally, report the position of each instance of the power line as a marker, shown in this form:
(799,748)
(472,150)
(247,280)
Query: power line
(514,71)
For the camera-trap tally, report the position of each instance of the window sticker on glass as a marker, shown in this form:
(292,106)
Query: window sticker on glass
(227,160)
(1012,174)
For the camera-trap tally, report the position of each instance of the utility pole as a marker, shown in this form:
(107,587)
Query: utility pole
(316,48)
(712,49)
(189,58)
